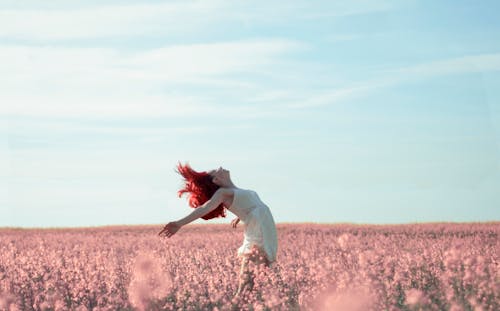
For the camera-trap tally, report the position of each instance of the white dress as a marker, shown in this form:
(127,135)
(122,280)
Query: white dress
(260,228)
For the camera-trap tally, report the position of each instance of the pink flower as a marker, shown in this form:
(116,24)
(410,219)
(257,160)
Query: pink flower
(350,299)
(415,296)
(148,282)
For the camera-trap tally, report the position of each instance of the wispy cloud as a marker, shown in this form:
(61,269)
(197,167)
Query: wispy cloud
(58,80)
(68,163)
(458,65)
(214,59)
(343,37)
(170,63)
(51,81)
(335,95)
(392,77)
(107,20)
(338,93)
(117,106)
(168,19)
(347,8)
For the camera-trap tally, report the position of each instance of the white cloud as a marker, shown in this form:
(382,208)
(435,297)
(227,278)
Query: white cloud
(346,8)
(459,65)
(51,81)
(95,106)
(26,165)
(167,19)
(343,37)
(214,59)
(106,20)
(338,94)
(454,66)
(62,81)
(332,97)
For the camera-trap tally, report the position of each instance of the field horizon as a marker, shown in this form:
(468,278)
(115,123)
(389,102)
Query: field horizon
(279,224)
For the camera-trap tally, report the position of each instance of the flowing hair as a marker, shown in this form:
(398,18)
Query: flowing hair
(200,188)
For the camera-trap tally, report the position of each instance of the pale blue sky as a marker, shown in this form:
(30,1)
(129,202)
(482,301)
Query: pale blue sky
(334,111)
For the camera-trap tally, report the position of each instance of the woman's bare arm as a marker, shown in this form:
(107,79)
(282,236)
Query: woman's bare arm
(172,227)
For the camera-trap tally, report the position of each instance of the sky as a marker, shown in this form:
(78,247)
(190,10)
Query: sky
(376,112)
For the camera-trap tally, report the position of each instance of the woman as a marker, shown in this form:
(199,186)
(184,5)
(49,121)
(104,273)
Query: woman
(210,193)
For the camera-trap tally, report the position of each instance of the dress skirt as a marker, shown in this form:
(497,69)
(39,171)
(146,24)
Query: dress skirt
(260,230)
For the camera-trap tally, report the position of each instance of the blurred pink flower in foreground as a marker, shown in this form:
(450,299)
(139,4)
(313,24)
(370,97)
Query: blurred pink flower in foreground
(148,281)
(415,297)
(349,299)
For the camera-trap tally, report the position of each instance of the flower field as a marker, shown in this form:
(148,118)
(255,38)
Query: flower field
(319,267)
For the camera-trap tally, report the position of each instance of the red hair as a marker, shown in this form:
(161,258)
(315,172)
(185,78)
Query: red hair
(200,188)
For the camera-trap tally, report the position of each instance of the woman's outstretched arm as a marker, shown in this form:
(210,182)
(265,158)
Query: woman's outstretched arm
(172,227)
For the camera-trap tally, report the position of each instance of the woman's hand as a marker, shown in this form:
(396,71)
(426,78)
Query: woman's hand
(170,229)
(235,222)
